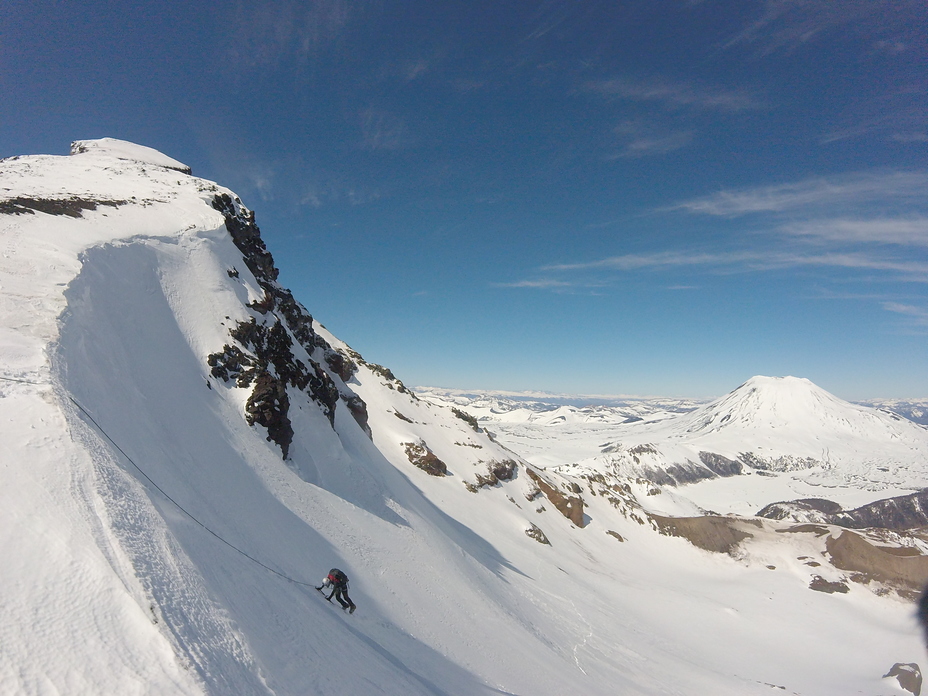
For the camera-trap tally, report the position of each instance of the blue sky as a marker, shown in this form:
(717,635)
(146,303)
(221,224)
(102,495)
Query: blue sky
(653,198)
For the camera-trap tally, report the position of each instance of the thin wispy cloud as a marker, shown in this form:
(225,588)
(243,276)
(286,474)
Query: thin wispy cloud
(661,259)
(264,32)
(918,315)
(748,261)
(812,193)
(909,231)
(675,95)
(898,116)
(407,70)
(886,247)
(328,190)
(786,26)
(542,284)
(549,16)
(908,137)
(642,140)
(381,130)
(891,47)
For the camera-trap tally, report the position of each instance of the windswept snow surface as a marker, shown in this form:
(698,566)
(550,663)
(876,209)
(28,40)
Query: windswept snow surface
(124,540)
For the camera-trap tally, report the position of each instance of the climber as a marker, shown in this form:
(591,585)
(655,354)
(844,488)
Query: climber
(338,581)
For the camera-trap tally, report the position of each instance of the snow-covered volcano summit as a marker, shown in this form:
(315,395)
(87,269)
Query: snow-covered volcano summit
(185,452)
(764,404)
(775,425)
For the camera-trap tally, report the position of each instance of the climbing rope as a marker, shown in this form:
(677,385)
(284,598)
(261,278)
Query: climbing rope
(162,491)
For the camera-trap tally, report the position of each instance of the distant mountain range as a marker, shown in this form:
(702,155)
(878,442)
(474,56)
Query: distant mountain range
(498,402)
(766,425)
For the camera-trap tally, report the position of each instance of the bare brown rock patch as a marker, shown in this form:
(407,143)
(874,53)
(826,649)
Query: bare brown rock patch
(820,584)
(569,506)
(716,534)
(850,551)
(535,533)
(422,457)
(908,675)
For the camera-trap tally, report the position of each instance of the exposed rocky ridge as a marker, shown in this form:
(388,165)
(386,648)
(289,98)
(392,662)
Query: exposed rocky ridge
(571,506)
(765,426)
(535,533)
(72,206)
(467,418)
(883,559)
(866,558)
(262,356)
(422,457)
(915,410)
(722,466)
(712,533)
(496,472)
(899,513)
(901,567)
(648,461)
(391,380)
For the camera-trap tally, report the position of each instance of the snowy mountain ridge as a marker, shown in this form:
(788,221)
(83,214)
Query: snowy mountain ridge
(766,425)
(765,403)
(186,452)
(787,424)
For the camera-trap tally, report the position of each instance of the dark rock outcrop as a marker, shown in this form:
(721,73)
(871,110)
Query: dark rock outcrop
(535,533)
(677,474)
(894,566)
(569,506)
(69,207)
(504,470)
(898,513)
(268,405)
(716,534)
(820,584)
(908,675)
(902,512)
(496,472)
(247,237)
(341,365)
(263,351)
(723,466)
(358,409)
(422,457)
(467,418)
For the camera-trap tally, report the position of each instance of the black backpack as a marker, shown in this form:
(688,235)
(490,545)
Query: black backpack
(338,576)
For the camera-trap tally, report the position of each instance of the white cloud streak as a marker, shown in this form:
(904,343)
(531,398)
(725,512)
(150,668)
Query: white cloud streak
(749,261)
(644,140)
(676,95)
(542,284)
(811,193)
(918,315)
(381,130)
(909,231)
(272,30)
(788,25)
(836,218)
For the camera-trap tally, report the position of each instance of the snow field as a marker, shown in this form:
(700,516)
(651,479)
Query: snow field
(112,588)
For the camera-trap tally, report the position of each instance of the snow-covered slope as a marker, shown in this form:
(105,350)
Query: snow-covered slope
(185,452)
